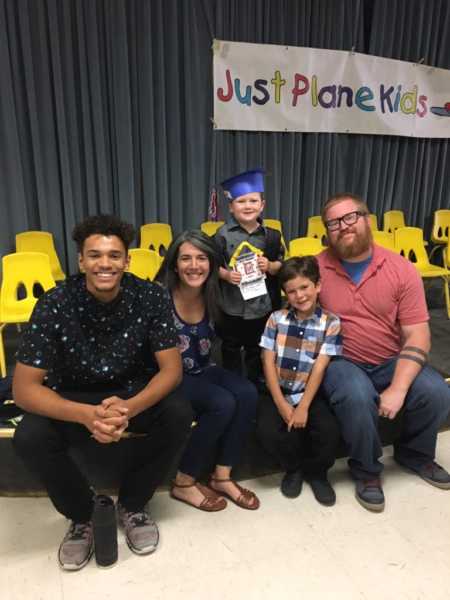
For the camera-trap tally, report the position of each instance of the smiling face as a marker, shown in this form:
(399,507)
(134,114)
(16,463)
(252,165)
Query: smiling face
(246,209)
(302,295)
(192,266)
(103,259)
(349,242)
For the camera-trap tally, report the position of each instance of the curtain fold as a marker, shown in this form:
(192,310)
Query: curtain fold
(106,106)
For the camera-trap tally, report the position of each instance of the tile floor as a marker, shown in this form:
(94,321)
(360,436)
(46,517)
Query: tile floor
(287,549)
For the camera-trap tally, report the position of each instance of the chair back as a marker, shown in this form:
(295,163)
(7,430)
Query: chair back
(441,225)
(144,263)
(22,271)
(392,220)
(156,236)
(210,227)
(41,241)
(305,246)
(409,243)
(316,229)
(385,239)
(274,224)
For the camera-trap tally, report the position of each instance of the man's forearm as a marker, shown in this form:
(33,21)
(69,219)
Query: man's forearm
(41,400)
(164,382)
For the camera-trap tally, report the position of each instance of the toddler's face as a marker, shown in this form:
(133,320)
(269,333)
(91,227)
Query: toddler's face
(246,209)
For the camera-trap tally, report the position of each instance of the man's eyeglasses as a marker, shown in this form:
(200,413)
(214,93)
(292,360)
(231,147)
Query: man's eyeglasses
(349,219)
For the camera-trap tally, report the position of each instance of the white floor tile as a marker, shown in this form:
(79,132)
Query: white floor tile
(288,548)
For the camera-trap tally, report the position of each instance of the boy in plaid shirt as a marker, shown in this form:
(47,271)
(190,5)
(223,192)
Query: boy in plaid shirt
(295,424)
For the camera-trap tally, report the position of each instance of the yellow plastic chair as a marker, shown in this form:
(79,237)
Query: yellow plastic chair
(210,227)
(439,233)
(305,246)
(155,236)
(316,229)
(144,263)
(274,224)
(385,239)
(21,271)
(41,241)
(392,220)
(373,221)
(409,243)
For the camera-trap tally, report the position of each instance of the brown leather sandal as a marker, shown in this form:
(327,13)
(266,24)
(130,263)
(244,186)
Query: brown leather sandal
(212,502)
(248,499)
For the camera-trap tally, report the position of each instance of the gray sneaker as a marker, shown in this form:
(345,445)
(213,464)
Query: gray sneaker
(77,547)
(369,494)
(141,532)
(432,473)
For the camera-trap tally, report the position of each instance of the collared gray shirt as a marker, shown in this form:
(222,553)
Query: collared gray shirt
(228,238)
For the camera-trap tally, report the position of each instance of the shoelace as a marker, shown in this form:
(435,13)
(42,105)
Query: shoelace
(138,519)
(78,531)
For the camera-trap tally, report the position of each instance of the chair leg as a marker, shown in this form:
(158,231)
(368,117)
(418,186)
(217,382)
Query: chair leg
(447,295)
(2,352)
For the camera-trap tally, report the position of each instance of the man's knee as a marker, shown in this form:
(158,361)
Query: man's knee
(429,390)
(32,435)
(348,389)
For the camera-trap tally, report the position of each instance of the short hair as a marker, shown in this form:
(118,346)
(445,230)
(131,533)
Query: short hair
(299,266)
(104,225)
(168,274)
(337,198)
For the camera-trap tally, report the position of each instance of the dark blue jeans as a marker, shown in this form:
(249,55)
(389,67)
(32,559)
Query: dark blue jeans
(353,392)
(224,406)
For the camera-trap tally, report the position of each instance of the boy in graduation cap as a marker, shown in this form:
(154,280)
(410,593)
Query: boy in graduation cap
(247,307)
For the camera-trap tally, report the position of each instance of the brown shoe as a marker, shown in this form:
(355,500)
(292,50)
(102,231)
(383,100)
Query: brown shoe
(211,502)
(247,499)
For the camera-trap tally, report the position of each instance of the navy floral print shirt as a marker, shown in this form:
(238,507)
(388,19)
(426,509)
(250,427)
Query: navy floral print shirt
(194,343)
(83,343)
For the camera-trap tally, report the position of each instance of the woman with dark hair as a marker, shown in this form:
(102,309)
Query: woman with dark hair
(224,403)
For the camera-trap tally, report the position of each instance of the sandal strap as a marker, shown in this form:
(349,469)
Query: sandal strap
(173,484)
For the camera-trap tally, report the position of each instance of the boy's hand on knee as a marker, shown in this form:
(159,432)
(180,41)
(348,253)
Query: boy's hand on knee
(286,411)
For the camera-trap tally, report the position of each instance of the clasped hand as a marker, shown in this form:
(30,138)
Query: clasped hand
(108,420)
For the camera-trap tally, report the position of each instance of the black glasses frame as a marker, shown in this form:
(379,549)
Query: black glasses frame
(349,219)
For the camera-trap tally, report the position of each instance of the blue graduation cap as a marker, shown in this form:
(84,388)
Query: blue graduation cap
(244,183)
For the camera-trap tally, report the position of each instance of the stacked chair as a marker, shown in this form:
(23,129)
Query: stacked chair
(316,229)
(210,227)
(144,263)
(276,224)
(156,236)
(22,273)
(410,244)
(41,241)
(439,234)
(392,220)
(385,239)
(305,246)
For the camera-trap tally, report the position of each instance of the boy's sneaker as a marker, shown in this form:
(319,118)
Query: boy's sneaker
(291,484)
(432,473)
(369,494)
(322,490)
(77,546)
(141,532)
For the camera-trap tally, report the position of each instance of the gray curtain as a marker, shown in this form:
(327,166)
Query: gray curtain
(106,106)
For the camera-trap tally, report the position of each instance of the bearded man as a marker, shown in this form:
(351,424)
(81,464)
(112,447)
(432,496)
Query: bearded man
(380,299)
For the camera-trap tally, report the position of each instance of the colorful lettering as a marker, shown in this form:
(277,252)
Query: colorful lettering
(247,99)
(278,82)
(260,86)
(363,95)
(297,90)
(220,93)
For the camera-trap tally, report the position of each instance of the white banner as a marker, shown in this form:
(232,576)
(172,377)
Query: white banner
(263,87)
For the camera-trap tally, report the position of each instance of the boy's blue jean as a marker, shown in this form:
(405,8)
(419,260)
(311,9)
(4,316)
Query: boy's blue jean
(353,392)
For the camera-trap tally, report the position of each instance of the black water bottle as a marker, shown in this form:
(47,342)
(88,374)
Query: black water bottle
(105,531)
